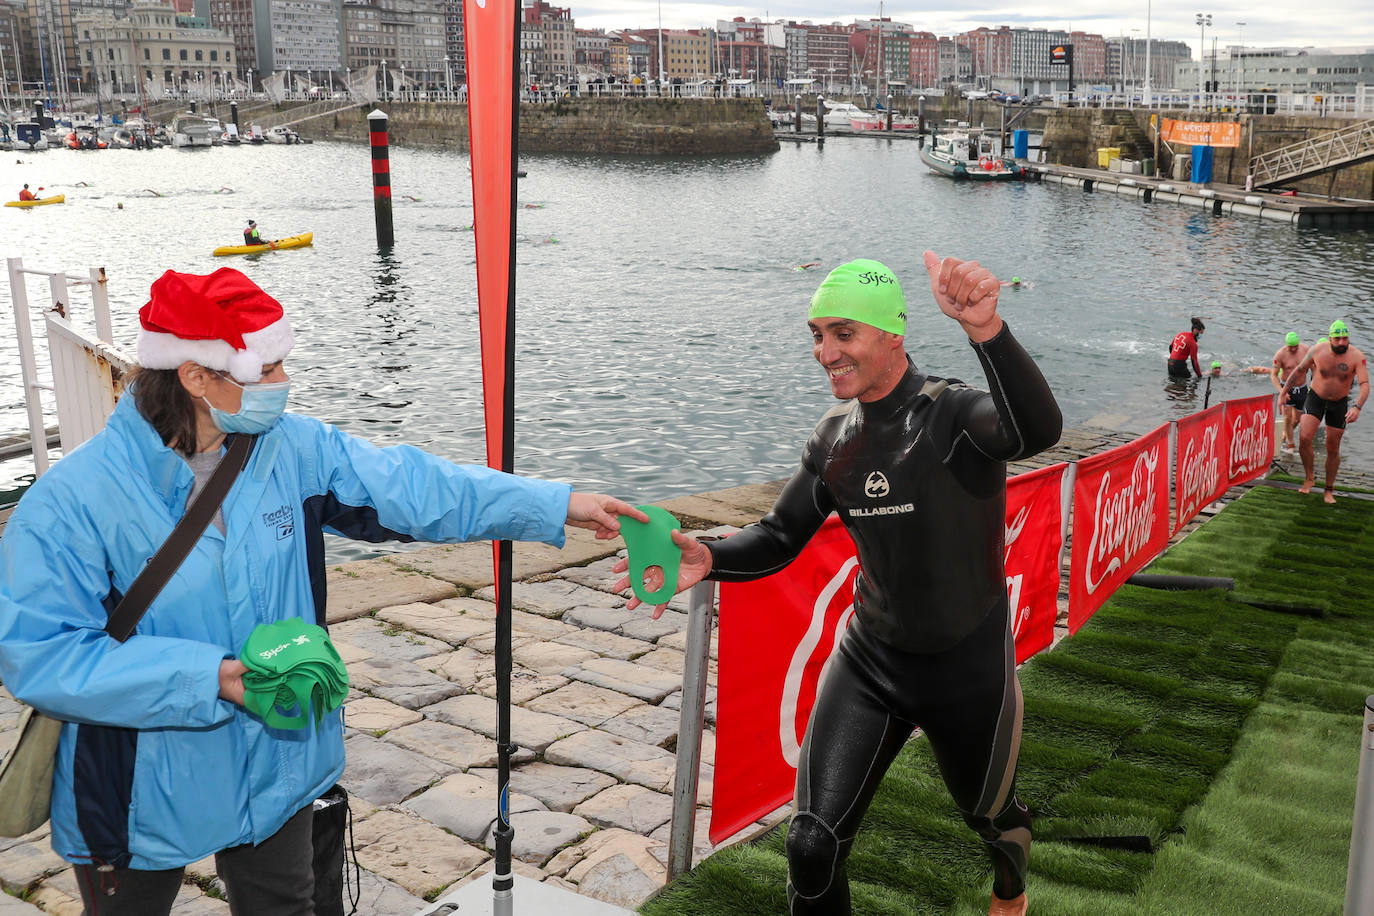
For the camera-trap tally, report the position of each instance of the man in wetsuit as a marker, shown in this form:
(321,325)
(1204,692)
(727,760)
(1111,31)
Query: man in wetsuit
(1285,361)
(915,466)
(1335,366)
(1183,348)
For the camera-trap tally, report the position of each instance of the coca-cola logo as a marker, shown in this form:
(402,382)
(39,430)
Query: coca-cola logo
(1250,444)
(1200,470)
(1123,519)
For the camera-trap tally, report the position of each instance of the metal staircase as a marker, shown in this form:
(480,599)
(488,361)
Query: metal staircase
(1327,152)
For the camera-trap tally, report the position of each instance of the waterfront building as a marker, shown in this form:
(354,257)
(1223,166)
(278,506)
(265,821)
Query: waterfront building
(552,60)
(15,68)
(409,35)
(52,40)
(454,50)
(751,49)
(593,48)
(924,64)
(290,36)
(821,52)
(1312,71)
(153,43)
(874,37)
(955,60)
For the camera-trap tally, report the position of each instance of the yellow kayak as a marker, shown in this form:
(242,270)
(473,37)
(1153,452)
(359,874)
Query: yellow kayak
(293,241)
(56,199)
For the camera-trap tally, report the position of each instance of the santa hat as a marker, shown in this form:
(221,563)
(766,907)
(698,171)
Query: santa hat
(223,321)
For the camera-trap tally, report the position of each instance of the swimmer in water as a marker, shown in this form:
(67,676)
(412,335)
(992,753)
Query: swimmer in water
(807,266)
(152,192)
(1017,283)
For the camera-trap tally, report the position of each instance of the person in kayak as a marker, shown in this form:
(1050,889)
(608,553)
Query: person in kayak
(1183,348)
(26,194)
(915,465)
(251,235)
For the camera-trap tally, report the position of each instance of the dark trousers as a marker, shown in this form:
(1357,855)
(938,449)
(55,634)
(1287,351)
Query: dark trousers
(274,878)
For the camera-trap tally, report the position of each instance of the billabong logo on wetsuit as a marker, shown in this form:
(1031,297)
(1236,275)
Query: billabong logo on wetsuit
(282,520)
(876,486)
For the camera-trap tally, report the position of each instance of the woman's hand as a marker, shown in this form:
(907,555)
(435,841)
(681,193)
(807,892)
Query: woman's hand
(597,512)
(231,672)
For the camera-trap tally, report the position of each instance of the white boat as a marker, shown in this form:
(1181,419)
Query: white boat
(838,114)
(28,136)
(970,155)
(280,134)
(216,131)
(878,121)
(189,131)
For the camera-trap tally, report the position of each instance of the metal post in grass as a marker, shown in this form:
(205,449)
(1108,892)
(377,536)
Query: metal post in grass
(1359,882)
(691,721)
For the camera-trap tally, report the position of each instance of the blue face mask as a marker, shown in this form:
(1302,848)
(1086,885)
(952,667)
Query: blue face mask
(259,407)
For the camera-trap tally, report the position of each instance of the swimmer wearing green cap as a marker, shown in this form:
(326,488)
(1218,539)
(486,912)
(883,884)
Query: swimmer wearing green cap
(1335,367)
(1286,360)
(914,465)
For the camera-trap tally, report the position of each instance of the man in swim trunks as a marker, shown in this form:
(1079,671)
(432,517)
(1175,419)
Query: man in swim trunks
(1183,348)
(1335,366)
(1285,361)
(915,465)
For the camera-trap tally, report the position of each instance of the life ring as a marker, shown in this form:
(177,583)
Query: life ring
(988,163)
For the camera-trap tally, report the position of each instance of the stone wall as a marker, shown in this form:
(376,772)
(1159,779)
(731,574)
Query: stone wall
(1073,136)
(659,127)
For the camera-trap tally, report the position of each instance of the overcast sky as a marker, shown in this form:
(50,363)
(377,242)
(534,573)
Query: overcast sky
(1288,23)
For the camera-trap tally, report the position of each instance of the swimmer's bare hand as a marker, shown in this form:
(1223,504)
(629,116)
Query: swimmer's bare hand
(694,566)
(967,292)
(597,512)
(1353,414)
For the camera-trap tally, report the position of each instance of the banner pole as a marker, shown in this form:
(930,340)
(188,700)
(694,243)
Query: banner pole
(691,721)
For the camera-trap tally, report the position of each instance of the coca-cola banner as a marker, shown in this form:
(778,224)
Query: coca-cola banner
(1250,431)
(1034,537)
(1120,519)
(1201,465)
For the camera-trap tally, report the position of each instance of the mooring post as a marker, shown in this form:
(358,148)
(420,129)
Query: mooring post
(921,121)
(1359,882)
(234,115)
(796,127)
(381,177)
(820,117)
(889,112)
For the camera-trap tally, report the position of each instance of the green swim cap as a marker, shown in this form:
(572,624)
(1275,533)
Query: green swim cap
(1216,364)
(1321,340)
(1293,339)
(1338,329)
(1015,279)
(862,290)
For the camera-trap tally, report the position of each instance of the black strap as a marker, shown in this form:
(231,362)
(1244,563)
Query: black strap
(178,545)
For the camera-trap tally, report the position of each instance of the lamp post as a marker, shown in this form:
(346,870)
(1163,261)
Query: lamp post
(448,77)
(348,81)
(1203,21)
(404,84)
(1149,100)
(385,88)
(1236,65)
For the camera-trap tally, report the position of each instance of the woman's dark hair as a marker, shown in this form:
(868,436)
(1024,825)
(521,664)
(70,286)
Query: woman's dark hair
(1198,325)
(163,402)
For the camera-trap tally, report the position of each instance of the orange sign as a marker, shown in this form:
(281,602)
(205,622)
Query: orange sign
(1202,133)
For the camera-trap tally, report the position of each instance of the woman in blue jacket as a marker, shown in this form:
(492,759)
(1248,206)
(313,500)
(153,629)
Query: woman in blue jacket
(159,764)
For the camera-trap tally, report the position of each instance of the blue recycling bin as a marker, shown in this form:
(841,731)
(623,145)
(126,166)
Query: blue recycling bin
(1020,143)
(1202,165)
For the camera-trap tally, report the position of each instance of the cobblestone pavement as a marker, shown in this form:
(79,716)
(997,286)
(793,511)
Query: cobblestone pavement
(597,690)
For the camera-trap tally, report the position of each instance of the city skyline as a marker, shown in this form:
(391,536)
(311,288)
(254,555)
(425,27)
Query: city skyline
(1319,23)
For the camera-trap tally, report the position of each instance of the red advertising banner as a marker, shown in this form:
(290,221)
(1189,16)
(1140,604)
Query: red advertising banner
(1034,537)
(1200,467)
(776,635)
(1120,520)
(1250,430)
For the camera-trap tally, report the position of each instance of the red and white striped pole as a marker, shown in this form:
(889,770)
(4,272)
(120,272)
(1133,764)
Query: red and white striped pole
(381,177)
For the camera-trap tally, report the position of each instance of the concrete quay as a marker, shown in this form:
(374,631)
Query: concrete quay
(597,689)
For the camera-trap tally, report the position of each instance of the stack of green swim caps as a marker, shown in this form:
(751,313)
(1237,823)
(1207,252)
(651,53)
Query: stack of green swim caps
(861,290)
(293,669)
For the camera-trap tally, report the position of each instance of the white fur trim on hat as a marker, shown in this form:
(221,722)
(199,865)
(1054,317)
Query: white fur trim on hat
(158,350)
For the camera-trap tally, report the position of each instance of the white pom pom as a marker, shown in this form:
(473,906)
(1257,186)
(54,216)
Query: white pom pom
(245,366)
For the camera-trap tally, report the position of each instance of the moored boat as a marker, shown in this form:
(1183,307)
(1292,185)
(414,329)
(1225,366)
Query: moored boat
(293,241)
(43,201)
(970,155)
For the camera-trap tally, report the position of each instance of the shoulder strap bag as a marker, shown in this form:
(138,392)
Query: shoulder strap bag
(26,770)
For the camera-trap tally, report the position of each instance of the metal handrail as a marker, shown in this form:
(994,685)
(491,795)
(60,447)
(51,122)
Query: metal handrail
(1344,146)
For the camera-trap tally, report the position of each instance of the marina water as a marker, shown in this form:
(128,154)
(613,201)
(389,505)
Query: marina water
(661,343)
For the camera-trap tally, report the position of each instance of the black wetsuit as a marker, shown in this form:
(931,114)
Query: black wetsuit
(919,480)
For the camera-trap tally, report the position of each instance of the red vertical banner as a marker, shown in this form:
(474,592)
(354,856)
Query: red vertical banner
(776,635)
(1200,467)
(1250,429)
(1120,519)
(489,26)
(1034,538)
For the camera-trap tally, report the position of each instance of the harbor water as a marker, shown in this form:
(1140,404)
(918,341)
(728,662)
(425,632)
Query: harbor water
(660,337)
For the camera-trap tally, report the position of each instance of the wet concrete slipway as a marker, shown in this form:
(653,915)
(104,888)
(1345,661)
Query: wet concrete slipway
(598,690)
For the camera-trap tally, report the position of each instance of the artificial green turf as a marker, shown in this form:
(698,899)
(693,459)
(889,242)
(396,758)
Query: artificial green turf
(1222,735)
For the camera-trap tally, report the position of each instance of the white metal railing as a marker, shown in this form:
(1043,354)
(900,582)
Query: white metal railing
(87,369)
(1315,154)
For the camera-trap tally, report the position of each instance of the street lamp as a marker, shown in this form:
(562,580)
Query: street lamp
(385,89)
(404,84)
(1203,21)
(1240,52)
(448,77)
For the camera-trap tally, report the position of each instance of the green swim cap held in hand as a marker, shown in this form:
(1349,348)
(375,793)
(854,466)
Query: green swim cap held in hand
(861,290)
(292,665)
(1292,339)
(1338,329)
(652,545)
